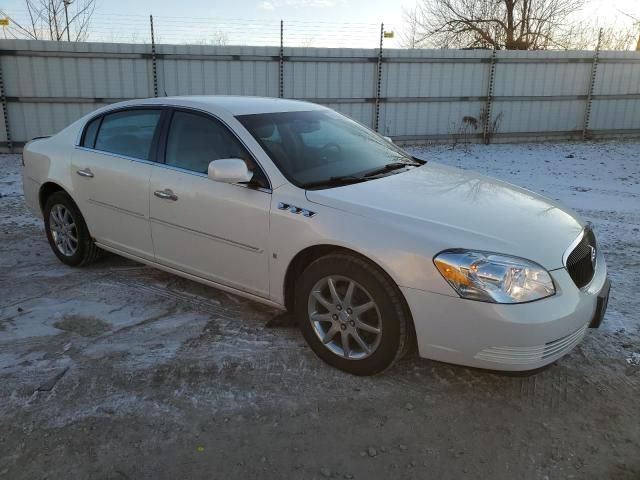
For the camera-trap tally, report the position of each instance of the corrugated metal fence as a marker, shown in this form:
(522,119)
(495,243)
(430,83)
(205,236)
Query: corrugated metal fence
(420,95)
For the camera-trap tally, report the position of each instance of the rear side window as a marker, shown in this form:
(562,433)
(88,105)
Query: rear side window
(89,139)
(128,133)
(194,141)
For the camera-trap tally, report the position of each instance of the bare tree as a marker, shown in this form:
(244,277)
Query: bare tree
(216,38)
(499,24)
(53,20)
(410,37)
(617,35)
(584,36)
(636,26)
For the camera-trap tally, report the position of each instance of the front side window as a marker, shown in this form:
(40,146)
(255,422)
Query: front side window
(321,147)
(196,140)
(127,133)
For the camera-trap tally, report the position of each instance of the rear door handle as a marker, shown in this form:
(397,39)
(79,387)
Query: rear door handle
(166,194)
(85,172)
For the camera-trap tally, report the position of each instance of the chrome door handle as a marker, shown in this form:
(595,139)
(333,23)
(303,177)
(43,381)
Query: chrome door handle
(85,172)
(166,194)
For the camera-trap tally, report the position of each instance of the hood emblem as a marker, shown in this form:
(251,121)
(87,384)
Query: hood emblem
(593,254)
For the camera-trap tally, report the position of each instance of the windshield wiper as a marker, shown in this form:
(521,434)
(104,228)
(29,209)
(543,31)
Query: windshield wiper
(389,167)
(336,181)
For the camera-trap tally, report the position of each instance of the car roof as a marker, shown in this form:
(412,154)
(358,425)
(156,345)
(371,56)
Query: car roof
(234,105)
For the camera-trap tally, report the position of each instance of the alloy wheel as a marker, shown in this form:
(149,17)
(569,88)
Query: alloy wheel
(345,317)
(63,230)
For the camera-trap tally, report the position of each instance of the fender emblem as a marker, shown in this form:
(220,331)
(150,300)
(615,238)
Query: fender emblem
(297,210)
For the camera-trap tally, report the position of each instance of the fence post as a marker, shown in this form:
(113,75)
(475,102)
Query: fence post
(281,71)
(592,84)
(376,113)
(153,58)
(5,110)
(486,134)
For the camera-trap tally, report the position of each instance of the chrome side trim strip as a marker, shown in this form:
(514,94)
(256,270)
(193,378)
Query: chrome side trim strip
(196,278)
(207,235)
(117,209)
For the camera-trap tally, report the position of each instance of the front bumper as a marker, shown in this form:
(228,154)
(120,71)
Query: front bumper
(503,336)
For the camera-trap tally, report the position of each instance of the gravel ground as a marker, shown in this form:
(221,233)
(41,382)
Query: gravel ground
(120,371)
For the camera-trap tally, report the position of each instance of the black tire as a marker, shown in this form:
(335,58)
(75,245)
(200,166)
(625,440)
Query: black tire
(394,315)
(86,251)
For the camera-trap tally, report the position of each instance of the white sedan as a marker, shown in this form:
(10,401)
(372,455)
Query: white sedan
(296,206)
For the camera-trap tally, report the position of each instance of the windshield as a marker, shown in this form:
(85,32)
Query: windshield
(323,148)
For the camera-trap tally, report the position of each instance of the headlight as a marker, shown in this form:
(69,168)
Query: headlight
(492,277)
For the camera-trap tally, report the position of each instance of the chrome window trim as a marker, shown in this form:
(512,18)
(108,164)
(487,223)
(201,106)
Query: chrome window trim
(164,165)
(153,106)
(204,175)
(115,109)
(117,155)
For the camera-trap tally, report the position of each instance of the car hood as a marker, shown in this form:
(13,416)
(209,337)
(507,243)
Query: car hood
(453,208)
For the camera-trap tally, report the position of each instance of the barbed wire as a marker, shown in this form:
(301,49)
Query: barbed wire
(182,30)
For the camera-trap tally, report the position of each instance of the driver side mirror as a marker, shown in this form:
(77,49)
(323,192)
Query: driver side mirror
(229,170)
(388,139)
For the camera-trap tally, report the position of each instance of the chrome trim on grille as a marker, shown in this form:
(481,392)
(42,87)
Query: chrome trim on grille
(532,355)
(573,245)
(587,237)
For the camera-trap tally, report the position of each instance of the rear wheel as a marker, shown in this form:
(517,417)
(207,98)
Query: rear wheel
(67,231)
(351,314)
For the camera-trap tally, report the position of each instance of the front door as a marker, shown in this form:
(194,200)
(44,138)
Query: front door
(214,230)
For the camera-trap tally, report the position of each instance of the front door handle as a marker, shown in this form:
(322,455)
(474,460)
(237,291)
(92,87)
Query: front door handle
(166,194)
(85,172)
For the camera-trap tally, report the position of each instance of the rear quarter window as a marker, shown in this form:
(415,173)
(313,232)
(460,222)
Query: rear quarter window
(90,133)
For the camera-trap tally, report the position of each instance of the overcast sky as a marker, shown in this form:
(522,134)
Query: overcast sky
(342,10)
(188,16)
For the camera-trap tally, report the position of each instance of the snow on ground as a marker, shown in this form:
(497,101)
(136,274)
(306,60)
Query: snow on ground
(584,176)
(123,371)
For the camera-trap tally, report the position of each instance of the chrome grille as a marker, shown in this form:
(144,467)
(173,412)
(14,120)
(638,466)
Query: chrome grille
(581,262)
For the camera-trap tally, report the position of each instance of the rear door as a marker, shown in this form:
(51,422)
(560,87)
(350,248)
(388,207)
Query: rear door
(111,171)
(214,230)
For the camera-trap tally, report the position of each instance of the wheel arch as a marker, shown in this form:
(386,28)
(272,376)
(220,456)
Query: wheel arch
(46,190)
(308,255)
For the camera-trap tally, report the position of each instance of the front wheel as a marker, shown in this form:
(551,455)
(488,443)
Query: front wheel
(351,314)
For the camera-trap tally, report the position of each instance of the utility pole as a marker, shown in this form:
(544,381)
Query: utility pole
(66,17)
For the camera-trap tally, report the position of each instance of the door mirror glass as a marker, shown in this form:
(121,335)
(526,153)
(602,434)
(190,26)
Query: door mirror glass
(229,170)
